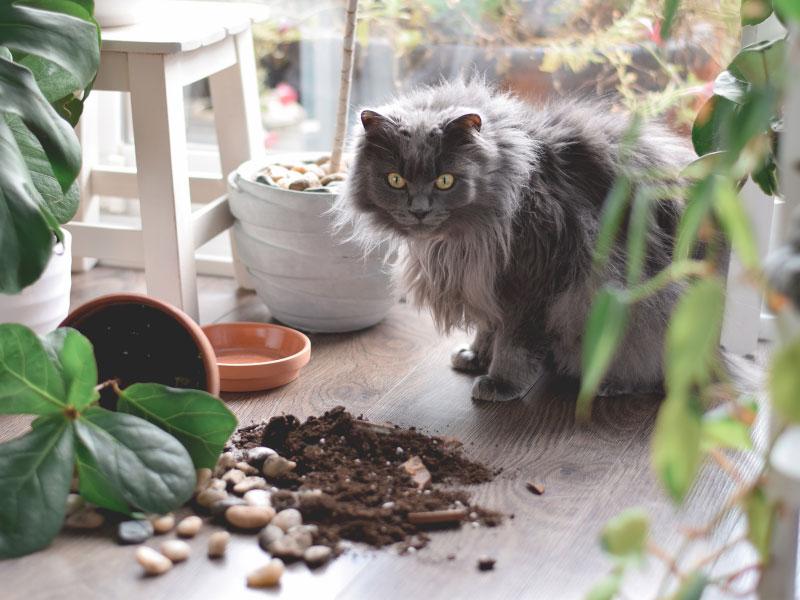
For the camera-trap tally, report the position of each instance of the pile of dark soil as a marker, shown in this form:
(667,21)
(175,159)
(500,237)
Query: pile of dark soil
(367,495)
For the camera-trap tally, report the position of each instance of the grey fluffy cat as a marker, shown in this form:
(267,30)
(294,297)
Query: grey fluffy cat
(494,206)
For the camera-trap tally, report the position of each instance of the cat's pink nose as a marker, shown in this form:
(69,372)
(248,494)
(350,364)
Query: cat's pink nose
(420,213)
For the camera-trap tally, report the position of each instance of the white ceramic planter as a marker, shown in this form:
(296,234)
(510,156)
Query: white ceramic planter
(45,303)
(307,279)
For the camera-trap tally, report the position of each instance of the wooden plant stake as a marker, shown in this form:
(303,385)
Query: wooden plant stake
(348,53)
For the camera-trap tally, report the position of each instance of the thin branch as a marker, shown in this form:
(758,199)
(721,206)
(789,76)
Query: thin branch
(345,83)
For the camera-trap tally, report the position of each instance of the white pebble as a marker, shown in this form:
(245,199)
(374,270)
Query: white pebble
(250,483)
(246,468)
(176,550)
(258,498)
(164,523)
(288,518)
(268,575)
(225,462)
(233,477)
(249,517)
(217,543)
(85,519)
(74,503)
(203,477)
(153,562)
(209,496)
(189,526)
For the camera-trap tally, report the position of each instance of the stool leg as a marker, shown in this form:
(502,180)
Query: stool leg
(159,132)
(237,117)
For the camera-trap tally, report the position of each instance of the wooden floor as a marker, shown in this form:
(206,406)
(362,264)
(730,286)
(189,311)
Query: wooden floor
(399,371)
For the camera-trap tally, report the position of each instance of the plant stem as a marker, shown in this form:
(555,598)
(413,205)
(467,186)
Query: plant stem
(348,52)
(112,383)
(674,272)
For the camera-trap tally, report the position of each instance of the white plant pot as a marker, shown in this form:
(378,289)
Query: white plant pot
(306,277)
(45,303)
(116,13)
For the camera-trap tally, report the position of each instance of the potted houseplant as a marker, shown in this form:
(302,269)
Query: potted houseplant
(48,61)
(306,277)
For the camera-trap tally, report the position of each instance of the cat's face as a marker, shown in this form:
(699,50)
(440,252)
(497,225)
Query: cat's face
(418,178)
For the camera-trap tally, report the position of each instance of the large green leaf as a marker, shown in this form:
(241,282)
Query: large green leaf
(712,123)
(149,468)
(606,588)
(692,588)
(637,236)
(605,327)
(735,222)
(784,381)
(62,205)
(35,473)
(675,449)
(73,356)
(21,96)
(199,420)
(720,430)
(766,176)
(26,241)
(626,534)
(692,339)
(68,41)
(760,516)
(93,484)
(788,9)
(761,63)
(29,382)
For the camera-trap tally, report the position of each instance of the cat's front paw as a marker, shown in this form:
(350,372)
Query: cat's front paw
(463,358)
(489,389)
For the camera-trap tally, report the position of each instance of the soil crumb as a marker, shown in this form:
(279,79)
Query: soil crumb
(349,479)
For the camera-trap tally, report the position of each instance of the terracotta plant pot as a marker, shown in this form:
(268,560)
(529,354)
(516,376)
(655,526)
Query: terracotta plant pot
(139,339)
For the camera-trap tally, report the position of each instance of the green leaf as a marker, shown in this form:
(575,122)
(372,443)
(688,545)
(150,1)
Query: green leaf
(760,516)
(692,339)
(73,356)
(626,534)
(788,9)
(720,430)
(702,167)
(26,242)
(755,11)
(613,213)
(605,327)
(93,484)
(21,96)
(606,588)
(29,382)
(761,63)
(676,444)
(784,381)
(63,206)
(670,9)
(55,82)
(68,41)
(766,177)
(692,588)
(753,118)
(730,88)
(697,208)
(149,468)
(35,473)
(637,236)
(712,123)
(735,222)
(200,421)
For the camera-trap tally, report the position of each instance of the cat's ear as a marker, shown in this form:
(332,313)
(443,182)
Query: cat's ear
(464,124)
(371,120)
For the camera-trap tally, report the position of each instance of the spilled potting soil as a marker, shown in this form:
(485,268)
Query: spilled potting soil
(374,484)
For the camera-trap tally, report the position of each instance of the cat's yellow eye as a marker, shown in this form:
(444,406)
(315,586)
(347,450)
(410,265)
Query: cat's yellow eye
(396,181)
(444,182)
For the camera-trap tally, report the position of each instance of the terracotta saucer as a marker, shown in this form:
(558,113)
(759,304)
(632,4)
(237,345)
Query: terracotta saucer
(257,356)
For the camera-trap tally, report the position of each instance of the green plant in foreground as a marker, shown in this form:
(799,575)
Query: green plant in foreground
(141,458)
(49,54)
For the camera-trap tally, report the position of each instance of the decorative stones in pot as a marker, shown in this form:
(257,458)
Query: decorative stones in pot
(139,339)
(307,277)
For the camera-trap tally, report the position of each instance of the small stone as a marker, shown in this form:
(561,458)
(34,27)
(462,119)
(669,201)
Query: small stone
(164,523)
(209,496)
(134,532)
(74,503)
(258,498)
(300,168)
(277,466)
(288,518)
(322,159)
(217,543)
(268,575)
(298,184)
(473,516)
(317,555)
(203,477)
(153,562)
(486,563)
(389,504)
(247,468)
(250,483)
(316,170)
(85,519)
(419,473)
(219,507)
(224,463)
(233,477)
(311,528)
(176,550)
(256,456)
(216,484)
(291,545)
(249,517)
(331,178)
(268,535)
(312,179)
(189,526)
(277,172)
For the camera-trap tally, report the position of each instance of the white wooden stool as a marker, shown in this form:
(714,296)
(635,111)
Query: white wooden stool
(153,60)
